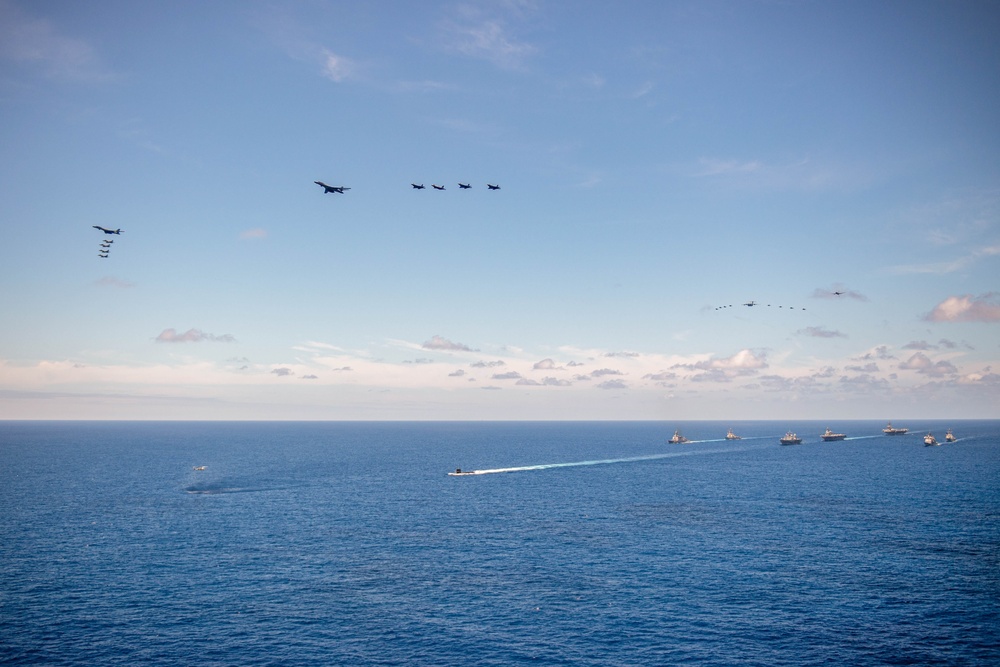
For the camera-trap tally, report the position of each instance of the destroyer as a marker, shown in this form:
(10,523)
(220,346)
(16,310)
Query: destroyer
(949,436)
(931,441)
(830,436)
(677,439)
(732,436)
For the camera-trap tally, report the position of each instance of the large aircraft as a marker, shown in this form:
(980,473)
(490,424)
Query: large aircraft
(417,187)
(751,304)
(106,230)
(493,187)
(327,189)
(464,186)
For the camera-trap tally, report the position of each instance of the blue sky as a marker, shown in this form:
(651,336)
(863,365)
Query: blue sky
(656,160)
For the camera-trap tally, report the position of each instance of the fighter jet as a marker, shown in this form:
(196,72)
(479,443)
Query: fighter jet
(417,187)
(493,187)
(437,187)
(464,186)
(838,293)
(327,189)
(106,230)
(103,256)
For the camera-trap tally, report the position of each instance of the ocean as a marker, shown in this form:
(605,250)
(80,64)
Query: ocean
(589,543)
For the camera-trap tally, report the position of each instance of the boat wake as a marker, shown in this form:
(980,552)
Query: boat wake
(573,464)
(226,486)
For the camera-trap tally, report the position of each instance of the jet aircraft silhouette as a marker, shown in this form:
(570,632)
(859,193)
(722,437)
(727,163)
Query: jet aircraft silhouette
(437,187)
(751,304)
(106,230)
(838,293)
(464,186)
(327,189)
(493,187)
(417,187)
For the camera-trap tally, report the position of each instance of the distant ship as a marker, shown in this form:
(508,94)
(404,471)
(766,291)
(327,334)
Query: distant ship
(677,439)
(830,436)
(459,472)
(949,436)
(889,430)
(930,441)
(732,436)
(791,439)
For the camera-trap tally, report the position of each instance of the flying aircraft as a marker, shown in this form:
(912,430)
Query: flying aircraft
(838,293)
(464,186)
(751,304)
(493,187)
(437,187)
(106,230)
(103,256)
(417,187)
(327,189)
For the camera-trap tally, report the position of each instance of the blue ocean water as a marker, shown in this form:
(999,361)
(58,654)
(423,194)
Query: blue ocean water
(348,544)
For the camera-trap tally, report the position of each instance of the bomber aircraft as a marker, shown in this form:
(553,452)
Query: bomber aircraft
(750,304)
(106,230)
(327,189)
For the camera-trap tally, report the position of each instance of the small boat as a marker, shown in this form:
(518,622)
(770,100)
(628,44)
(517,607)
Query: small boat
(199,467)
(791,439)
(677,439)
(930,441)
(732,436)
(830,436)
(889,430)
(459,472)
(949,436)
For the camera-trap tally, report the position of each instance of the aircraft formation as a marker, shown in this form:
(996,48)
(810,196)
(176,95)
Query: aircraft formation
(461,186)
(105,249)
(341,189)
(751,304)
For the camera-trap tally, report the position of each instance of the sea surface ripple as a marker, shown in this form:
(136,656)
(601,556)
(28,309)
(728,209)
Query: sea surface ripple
(590,544)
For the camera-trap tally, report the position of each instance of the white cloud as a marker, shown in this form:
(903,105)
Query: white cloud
(921,363)
(32,41)
(440,343)
(820,332)
(966,308)
(192,336)
(957,264)
(337,68)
